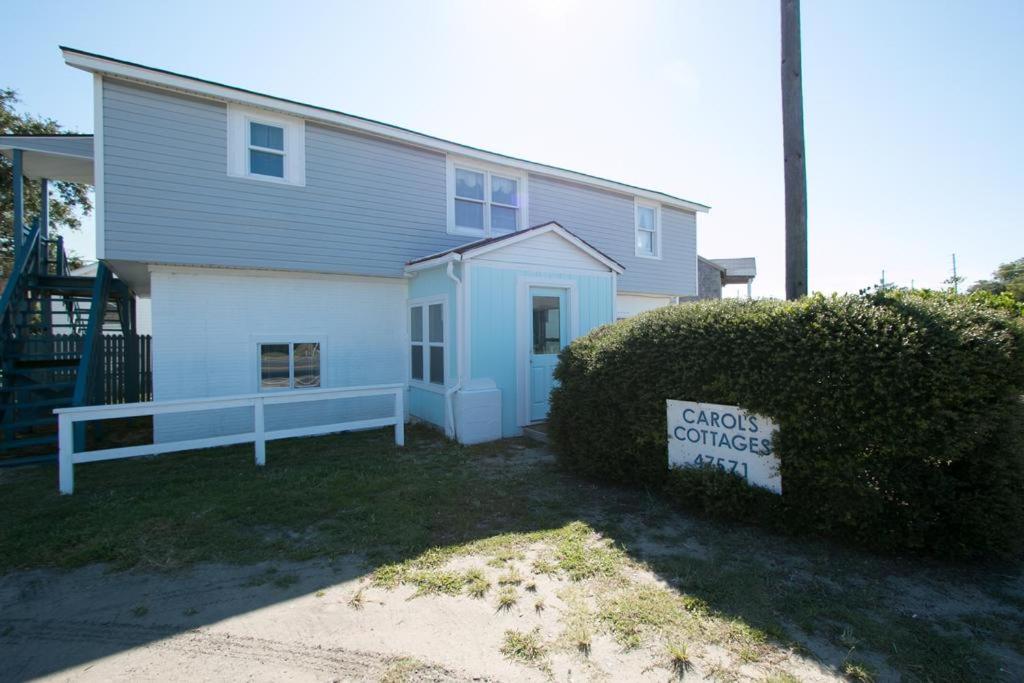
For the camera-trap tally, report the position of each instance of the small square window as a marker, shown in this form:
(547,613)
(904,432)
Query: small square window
(265,146)
(482,202)
(266,163)
(289,365)
(262,135)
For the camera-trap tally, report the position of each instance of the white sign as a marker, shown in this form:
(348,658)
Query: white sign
(727,437)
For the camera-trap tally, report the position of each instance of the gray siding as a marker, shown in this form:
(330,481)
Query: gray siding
(605,220)
(710,281)
(368,206)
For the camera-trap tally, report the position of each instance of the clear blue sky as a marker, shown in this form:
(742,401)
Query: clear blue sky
(913,109)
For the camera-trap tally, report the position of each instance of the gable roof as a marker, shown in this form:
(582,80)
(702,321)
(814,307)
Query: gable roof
(100,64)
(467,251)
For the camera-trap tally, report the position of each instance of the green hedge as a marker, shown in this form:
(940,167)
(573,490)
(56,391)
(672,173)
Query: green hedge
(900,417)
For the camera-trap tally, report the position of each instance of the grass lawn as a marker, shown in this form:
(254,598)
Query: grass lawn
(494,522)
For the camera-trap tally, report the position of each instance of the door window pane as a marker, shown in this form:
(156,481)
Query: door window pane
(436,323)
(469,214)
(504,190)
(274,366)
(547,334)
(504,218)
(437,364)
(417,323)
(307,365)
(266,163)
(469,184)
(262,135)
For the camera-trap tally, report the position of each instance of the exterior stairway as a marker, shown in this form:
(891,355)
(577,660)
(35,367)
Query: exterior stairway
(51,345)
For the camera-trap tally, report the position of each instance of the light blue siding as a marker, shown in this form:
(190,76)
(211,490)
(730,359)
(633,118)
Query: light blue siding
(423,403)
(492,316)
(368,206)
(605,220)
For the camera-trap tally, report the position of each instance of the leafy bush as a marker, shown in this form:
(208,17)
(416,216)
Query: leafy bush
(900,415)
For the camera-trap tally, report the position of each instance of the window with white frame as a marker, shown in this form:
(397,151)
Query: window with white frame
(427,339)
(267,146)
(648,237)
(289,365)
(484,201)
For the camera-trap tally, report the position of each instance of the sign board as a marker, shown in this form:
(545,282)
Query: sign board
(728,437)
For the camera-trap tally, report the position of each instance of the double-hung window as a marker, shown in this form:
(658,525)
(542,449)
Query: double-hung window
(427,339)
(266,149)
(648,237)
(289,365)
(483,201)
(266,146)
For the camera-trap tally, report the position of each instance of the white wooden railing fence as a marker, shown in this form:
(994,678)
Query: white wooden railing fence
(67,417)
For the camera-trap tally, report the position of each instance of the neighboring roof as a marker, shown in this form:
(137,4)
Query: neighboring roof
(57,157)
(709,262)
(96,63)
(478,247)
(737,270)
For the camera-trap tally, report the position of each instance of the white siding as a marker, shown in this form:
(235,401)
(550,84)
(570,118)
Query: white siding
(207,323)
(545,251)
(627,305)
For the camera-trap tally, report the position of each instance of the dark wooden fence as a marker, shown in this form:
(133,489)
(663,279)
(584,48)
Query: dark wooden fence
(114,364)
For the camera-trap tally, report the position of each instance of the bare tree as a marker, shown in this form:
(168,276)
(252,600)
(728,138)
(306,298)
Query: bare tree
(793,152)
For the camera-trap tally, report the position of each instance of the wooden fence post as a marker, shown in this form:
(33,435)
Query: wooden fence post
(260,441)
(66,452)
(399,417)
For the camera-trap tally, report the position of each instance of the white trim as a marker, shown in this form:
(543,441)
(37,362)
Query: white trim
(238,144)
(425,302)
(67,417)
(256,340)
(521,236)
(225,93)
(97,167)
(656,238)
(523,285)
(488,170)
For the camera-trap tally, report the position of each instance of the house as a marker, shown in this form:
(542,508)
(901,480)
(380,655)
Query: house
(286,246)
(714,274)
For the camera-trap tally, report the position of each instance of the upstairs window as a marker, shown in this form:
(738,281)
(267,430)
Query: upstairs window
(484,202)
(426,336)
(648,232)
(289,365)
(266,149)
(266,146)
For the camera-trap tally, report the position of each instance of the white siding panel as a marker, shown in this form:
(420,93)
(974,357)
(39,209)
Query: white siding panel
(628,305)
(207,323)
(547,250)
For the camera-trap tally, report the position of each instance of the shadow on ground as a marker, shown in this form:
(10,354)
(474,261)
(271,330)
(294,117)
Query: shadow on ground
(332,509)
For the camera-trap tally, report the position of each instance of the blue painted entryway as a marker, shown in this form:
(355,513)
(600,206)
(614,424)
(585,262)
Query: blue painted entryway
(548,334)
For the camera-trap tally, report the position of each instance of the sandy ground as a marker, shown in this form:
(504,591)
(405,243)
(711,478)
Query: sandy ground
(292,622)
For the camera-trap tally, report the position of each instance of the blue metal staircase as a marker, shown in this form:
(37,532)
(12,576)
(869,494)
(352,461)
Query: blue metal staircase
(51,345)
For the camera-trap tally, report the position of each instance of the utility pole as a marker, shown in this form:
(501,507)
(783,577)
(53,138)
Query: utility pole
(956,280)
(795,167)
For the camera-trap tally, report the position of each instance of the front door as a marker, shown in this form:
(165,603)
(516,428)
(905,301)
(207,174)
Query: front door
(548,334)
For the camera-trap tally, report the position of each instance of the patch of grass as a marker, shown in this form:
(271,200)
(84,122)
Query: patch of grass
(477,584)
(525,647)
(358,600)
(437,582)
(510,578)
(320,594)
(679,659)
(285,580)
(507,598)
(581,557)
(140,611)
(858,671)
(538,605)
(407,670)
(543,565)
(781,677)
(631,611)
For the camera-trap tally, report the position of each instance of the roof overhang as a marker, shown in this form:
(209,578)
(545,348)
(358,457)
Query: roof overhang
(99,64)
(56,157)
(474,249)
(737,271)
